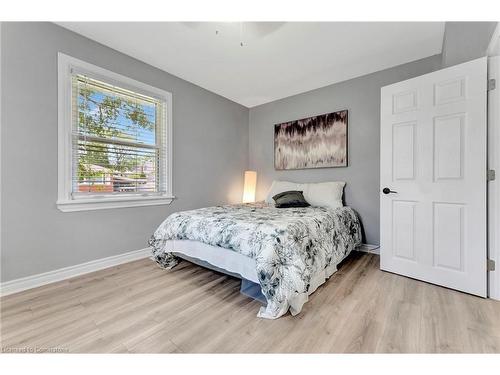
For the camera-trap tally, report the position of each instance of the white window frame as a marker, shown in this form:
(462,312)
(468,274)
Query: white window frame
(65,201)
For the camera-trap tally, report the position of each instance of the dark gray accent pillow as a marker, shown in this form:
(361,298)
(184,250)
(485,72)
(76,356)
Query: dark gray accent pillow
(292,198)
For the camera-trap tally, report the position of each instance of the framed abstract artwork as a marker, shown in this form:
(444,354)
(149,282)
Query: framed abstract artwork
(313,142)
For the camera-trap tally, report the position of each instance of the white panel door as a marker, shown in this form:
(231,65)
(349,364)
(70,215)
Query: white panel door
(433,177)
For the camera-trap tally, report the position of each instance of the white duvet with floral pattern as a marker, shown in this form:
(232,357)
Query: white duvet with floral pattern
(295,249)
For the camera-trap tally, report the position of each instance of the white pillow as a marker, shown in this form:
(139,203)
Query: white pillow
(324,194)
(279,187)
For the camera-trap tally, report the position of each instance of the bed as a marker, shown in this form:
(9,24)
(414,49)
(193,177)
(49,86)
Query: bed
(287,252)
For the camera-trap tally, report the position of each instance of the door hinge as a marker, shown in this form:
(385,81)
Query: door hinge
(492,84)
(491,265)
(491,175)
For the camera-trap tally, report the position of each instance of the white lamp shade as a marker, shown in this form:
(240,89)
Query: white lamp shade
(249,186)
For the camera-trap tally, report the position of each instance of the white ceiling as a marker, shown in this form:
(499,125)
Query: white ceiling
(278,59)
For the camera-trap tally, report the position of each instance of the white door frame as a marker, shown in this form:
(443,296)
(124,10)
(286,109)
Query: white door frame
(494,163)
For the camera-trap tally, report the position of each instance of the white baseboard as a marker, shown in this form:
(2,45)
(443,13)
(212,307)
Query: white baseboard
(18,285)
(367,248)
(25,283)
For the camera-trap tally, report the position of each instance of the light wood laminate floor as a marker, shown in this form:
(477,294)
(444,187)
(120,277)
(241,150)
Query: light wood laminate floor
(138,307)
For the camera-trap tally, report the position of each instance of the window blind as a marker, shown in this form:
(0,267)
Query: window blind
(118,140)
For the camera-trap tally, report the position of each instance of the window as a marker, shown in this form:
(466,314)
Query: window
(114,140)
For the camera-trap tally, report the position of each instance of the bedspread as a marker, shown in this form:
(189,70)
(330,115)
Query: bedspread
(295,249)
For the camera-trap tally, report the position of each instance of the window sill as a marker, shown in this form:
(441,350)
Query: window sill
(107,203)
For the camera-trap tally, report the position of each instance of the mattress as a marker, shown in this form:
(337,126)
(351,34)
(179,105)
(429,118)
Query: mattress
(221,259)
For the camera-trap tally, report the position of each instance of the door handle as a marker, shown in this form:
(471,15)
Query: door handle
(388,191)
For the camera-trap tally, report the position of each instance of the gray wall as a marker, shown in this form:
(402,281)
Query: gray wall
(361,96)
(464,41)
(210,154)
(215,140)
